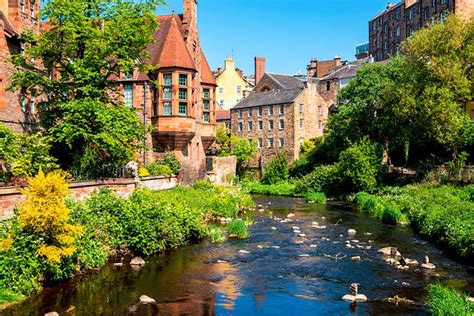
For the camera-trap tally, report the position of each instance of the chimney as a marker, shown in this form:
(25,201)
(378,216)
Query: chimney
(312,69)
(190,18)
(219,70)
(338,60)
(259,68)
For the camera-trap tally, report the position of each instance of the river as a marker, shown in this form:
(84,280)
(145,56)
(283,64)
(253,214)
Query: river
(283,273)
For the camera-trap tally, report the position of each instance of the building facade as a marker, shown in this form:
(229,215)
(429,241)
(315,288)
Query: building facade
(16,16)
(390,27)
(279,115)
(231,85)
(181,107)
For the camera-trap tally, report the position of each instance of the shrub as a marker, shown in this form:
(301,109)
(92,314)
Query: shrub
(44,215)
(203,185)
(445,301)
(237,228)
(321,179)
(159,169)
(392,215)
(143,172)
(172,162)
(276,170)
(315,197)
(7,296)
(216,234)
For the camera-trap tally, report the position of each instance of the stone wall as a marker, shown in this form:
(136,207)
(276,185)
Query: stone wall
(10,197)
(221,170)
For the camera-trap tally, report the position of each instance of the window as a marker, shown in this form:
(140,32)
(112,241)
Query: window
(32,9)
(270,125)
(183,80)
(128,95)
(22,5)
(260,125)
(374,25)
(270,110)
(320,110)
(128,75)
(260,111)
(32,105)
(282,142)
(399,14)
(260,143)
(22,48)
(221,90)
(411,13)
(206,117)
(249,126)
(302,123)
(167,93)
(183,94)
(385,45)
(270,142)
(398,31)
(282,109)
(301,108)
(442,16)
(427,13)
(238,89)
(249,112)
(167,80)
(221,104)
(433,3)
(240,112)
(328,85)
(320,124)
(443,1)
(183,109)
(23,104)
(282,124)
(206,104)
(205,94)
(167,108)
(241,126)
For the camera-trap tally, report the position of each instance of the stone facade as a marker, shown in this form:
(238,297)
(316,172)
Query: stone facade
(280,114)
(16,16)
(221,170)
(398,21)
(12,197)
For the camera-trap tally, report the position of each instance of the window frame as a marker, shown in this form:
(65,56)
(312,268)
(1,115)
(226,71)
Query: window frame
(181,106)
(167,105)
(128,95)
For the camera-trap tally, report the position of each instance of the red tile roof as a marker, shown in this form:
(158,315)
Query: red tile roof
(206,73)
(223,115)
(169,49)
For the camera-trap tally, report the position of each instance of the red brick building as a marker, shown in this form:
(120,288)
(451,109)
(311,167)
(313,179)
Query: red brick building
(15,17)
(398,21)
(182,107)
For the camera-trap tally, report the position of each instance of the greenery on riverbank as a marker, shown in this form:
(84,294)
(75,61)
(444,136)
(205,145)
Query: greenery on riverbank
(444,214)
(444,301)
(41,246)
(280,188)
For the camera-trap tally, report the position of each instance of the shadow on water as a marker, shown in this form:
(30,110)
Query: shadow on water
(273,278)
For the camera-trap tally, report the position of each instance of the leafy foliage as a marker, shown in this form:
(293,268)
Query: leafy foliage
(443,301)
(157,169)
(315,197)
(281,188)
(237,227)
(276,170)
(172,162)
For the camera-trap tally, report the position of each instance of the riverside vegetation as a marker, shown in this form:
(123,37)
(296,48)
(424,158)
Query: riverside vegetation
(51,238)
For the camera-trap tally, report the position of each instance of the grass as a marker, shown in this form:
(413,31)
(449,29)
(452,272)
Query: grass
(216,235)
(315,197)
(443,301)
(443,214)
(7,296)
(281,188)
(238,228)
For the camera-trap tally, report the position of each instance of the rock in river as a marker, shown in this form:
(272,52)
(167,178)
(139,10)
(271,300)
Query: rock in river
(357,298)
(351,232)
(388,251)
(137,261)
(146,300)
(51,314)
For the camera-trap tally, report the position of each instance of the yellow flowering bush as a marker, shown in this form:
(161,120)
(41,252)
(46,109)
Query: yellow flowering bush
(44,215)
(143,172)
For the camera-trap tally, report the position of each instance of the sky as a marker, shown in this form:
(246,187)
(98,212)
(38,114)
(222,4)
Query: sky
(288,33)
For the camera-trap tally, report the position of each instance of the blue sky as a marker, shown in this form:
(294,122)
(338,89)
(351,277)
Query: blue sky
(288,33)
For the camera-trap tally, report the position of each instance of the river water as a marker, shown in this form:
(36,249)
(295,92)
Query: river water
(273,278)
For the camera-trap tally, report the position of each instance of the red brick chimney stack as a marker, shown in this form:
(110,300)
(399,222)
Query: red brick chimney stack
(259,68)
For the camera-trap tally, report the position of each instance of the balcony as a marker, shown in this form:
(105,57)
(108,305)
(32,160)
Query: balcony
(208,135)
(173,132)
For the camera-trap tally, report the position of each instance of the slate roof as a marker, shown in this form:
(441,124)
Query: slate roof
(348,70)
(287,81)
(388,9)
(271,97)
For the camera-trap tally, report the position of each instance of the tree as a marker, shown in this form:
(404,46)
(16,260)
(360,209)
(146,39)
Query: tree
(87,45)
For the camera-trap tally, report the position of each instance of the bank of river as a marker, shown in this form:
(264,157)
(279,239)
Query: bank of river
(273,278)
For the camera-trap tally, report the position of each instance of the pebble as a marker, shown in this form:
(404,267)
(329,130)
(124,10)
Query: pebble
(352,298)
(323,218)
(221,261)
(428,266)
(276,247)
(405,284)
(274,228)
(299,242)
(348,241)
(355,258)
(315,223)
(137,261)
(244,251)
(118,264)
(351,232)
(146,299)
(295,228)
(304,255)
(313,246)
(302,235)
(349,246)
(297,231)
(290,215)
(261,210)
(51,314)
(355,240)
(368,234)
(320,227)
(260,247)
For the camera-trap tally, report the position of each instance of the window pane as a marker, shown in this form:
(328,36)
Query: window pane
(183,94)
(206,104)
(167,93)
(183,80)
(205,94)
(183,109)
(167,80)
(206,117)
(128,95)
(167,108)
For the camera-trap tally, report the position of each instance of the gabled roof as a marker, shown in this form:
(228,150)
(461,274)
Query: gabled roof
(206,72)
(222,115)
(169,49)
(348,70)
(7,25)
(269,98)
(388,9)
(286,81)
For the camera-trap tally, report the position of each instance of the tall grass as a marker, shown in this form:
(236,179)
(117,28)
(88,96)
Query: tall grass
(237,227)
(443,301)
(281,188)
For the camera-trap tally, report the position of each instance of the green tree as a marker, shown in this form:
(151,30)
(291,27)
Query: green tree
(87,45)
(277,169)
(244,150)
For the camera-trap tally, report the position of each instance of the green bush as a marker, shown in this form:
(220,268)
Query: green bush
(392,215)
(443,301)
(321,179)
(316,197)
(276,170)
(172,162)
(203,185)
(7,296)
(237,227)
(282,188)
(159,169)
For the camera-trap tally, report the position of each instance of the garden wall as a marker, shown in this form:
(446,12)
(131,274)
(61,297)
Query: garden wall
(221,170)
(10,196)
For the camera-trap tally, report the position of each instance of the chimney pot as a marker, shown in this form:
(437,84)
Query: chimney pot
(259,68)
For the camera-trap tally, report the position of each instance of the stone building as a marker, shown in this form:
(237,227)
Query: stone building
(280,114)
(398,21)
(181,108)
(16,16)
